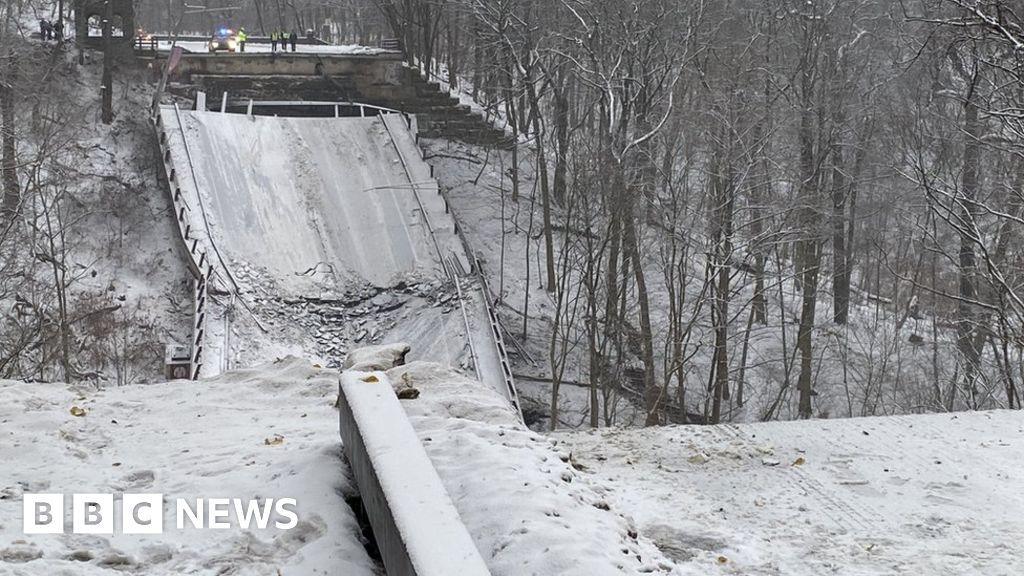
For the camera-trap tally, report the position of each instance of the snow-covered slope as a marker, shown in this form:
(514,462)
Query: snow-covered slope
(291,196)
(937,494)
(214,438)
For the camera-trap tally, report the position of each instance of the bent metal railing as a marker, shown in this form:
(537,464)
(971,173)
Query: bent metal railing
(197,260)
(493,320)
(499,341)
(251,105)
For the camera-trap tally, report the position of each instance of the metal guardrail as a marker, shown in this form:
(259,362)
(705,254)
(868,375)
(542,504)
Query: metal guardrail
(492,313)
(391,44)
(251,39)
(446,262)
(198,262)
(362,106)
(499,340)
(465,320)
(143,45)
(416,194)
(232,284)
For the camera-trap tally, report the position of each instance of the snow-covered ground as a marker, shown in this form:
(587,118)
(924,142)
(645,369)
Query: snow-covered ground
(521,499)
(935,494)
(267,432)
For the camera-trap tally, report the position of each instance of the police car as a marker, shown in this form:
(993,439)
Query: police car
(224,39)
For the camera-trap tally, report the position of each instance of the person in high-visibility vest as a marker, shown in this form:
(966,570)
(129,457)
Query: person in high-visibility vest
(273,41)
(241,37)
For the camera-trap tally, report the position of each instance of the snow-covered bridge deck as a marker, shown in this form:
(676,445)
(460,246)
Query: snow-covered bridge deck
(287,194)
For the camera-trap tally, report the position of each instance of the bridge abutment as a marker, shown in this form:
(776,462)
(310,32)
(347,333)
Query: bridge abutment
(379,79)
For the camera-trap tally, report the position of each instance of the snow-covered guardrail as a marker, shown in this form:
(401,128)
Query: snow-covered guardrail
(450,264)
(499,341)
(416,526)
(197,259)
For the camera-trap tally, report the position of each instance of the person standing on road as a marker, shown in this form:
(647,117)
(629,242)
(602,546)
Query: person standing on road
(58,31)
(273,41)
(241,37)
(293,38)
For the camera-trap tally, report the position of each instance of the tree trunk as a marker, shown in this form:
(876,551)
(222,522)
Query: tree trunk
(723,198)
(280,15)
(721,343)
(545,188)
(804,336)
(259,17)
(840,278)
(108,64)
(631,244)
(561,119)
(967,316)
(512,116)
(454,50)
(759,193)
(596,358)
(652,392)
(808,253)
(8,141)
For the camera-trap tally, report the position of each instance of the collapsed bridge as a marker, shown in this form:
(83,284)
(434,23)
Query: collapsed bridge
(300,206)
(349,199)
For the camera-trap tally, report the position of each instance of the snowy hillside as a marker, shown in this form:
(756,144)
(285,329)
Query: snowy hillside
(111,273)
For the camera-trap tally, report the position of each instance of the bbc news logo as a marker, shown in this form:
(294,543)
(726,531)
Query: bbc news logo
(144,513)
